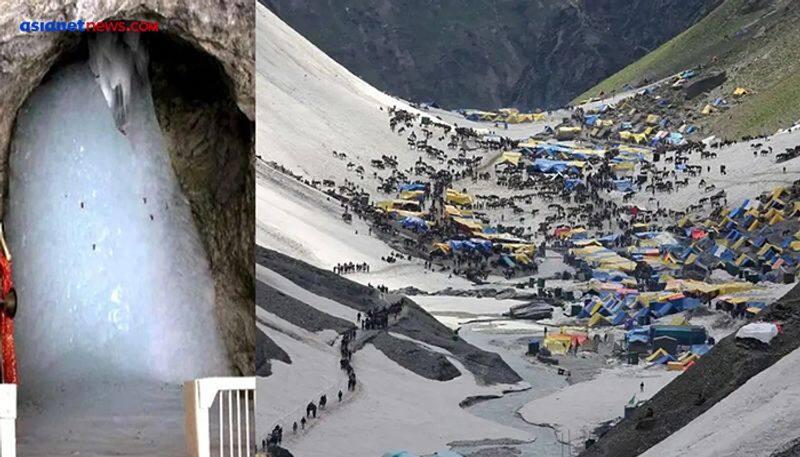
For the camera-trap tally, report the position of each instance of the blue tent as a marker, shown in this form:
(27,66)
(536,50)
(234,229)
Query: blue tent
(663,309)
(608,238)
(623,185)
(507,262)
(481,244)
(551,166)
(675,138)
(686,303)
(458,245)
(414,223)
(638,334)
(663,359)
(411,186)
(619,318)
(700,349)
(572,183)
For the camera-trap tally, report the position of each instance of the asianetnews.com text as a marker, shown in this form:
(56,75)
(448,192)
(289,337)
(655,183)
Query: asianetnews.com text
(88,26)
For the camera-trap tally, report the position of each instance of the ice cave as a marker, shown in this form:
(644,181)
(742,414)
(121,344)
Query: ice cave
(116,246)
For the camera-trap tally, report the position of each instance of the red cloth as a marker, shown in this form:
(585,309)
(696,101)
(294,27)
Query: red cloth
(7,328)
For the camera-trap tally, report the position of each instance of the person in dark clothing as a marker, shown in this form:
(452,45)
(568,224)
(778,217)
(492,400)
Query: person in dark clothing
(340,395)
(303,423)
(641,387)
(294,427)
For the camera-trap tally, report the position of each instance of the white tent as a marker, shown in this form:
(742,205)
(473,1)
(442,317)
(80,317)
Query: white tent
(761,331)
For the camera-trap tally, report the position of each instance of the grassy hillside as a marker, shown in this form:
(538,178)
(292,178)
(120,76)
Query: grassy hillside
(755,41)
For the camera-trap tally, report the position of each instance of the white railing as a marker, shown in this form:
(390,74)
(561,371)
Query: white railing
(235,398)
(8,418)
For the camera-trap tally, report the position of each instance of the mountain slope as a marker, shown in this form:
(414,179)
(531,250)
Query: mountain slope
(412,377)
(494,52)
(755,42)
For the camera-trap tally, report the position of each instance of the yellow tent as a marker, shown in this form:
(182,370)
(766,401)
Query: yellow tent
(411,194)
(444,248)
(521,248)
(660,352)
(598,320)
(708,109)
(401,204)
(653,119)
(451,210)
(531,143)
(471,224)
(777,192)
(457,198)
(510,158)
(564,133)
(522,258)
(678,320)
(740,91)
(557,343)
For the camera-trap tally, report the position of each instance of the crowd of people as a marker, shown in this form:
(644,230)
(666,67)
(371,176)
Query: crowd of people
(350,267)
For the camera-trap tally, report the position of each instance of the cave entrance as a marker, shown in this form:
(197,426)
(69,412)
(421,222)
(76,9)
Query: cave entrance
(116,288)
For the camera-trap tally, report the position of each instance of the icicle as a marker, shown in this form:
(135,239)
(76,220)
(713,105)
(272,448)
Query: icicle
(116,60)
